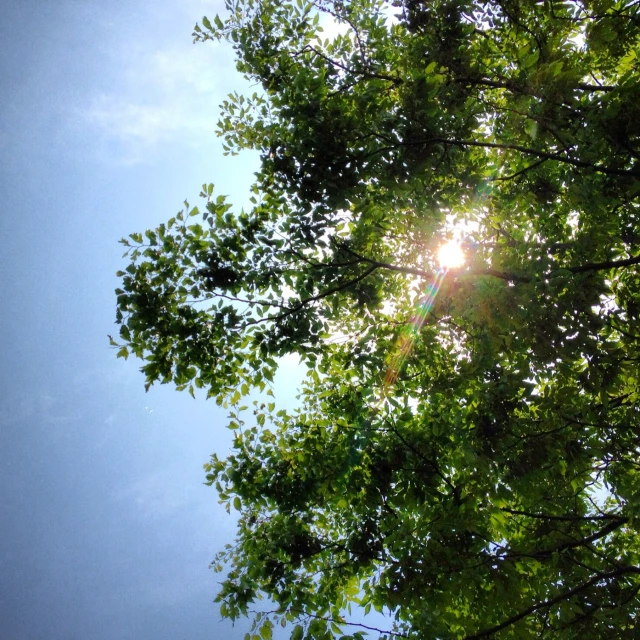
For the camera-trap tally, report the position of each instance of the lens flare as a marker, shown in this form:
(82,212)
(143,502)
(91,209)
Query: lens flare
(450,255)
(407,339)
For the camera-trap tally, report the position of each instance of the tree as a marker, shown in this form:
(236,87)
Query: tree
(473,472)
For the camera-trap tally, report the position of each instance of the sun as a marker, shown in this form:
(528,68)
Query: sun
(450,255)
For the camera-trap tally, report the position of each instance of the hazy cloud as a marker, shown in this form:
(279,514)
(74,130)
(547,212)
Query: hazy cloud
(154,495)
(38,407)
(163,97)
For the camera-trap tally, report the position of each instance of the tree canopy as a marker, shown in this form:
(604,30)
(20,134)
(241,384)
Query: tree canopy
(465,455)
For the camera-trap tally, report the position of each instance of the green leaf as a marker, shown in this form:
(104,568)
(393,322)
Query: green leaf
(266,630)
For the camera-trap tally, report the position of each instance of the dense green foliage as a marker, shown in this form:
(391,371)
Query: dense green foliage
(492,489)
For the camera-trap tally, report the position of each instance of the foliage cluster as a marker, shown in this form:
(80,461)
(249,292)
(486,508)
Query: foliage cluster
(493,490)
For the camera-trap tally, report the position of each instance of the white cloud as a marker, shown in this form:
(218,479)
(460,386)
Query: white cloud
(130,122)
(39,408)
(162,97)
(155,495)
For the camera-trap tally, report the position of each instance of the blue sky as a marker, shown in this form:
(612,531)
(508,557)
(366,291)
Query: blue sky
(106,125)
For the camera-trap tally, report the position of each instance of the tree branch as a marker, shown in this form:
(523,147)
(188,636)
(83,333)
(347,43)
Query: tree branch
(544,516)
(364,74)
(510,147)
(320,296)
(549,603)
(377,264)
(608,264)
(301,612)
(512,277)
(593,88)
(522,171)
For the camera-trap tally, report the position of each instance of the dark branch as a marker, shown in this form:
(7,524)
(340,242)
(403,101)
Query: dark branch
(320,296)
(511,277)
(365,74)
(546,516)
(348,624)
(510,147)
(609,264)
(522,171)
(549,603)
(591,87)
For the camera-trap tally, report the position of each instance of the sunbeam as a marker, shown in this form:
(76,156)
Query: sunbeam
(407,339)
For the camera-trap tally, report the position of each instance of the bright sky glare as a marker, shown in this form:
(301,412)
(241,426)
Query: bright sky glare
(451,255)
